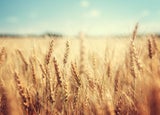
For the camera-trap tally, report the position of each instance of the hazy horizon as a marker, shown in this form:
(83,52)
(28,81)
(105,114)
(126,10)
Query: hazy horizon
(93,17)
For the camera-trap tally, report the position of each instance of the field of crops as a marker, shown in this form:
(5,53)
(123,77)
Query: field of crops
(48,76)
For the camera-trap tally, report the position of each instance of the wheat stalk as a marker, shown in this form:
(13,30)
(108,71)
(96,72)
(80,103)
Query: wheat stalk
(5,108)
(49,54)
(23,59)
(135,32)
(66,53)
(22,92)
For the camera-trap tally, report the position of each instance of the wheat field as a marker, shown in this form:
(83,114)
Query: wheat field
(49,76)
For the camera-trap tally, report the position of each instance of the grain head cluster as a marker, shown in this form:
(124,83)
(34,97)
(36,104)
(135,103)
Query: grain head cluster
(120,76)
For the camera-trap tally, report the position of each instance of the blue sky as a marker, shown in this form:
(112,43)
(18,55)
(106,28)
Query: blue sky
(95,17)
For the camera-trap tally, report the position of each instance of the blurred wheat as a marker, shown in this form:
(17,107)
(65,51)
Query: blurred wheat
(60,81)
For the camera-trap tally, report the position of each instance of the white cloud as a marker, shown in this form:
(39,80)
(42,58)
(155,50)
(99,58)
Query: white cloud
(33,15)
(85,3)
(95,13)
(158,12)
(145,13)
(12,19)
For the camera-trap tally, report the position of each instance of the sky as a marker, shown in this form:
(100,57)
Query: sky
(69,17)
